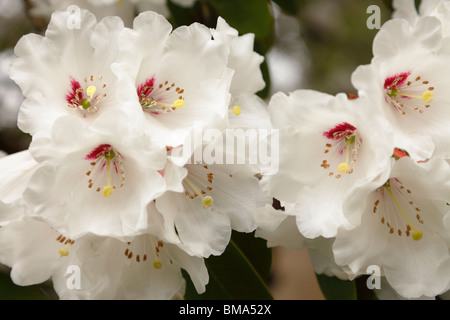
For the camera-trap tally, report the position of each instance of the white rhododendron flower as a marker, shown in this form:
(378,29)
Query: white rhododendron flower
(93,267)
(217,198)
(407,80)
(246,109)
(175,77)
(402,230)
(74,71)
(406,9)
(133,176)
(15,172)
(329,149)
(95,181)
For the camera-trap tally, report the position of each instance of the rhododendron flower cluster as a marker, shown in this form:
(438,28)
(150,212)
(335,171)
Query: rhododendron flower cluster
(393,134)
(107,183)
(111,183)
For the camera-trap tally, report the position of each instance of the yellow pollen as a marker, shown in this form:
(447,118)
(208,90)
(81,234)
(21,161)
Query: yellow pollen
(91,91)
(417,234)
(237,110)
(427,96)
(157,264)
(207,202)
(178,104)
(343,167)
(107,191)
(64,251)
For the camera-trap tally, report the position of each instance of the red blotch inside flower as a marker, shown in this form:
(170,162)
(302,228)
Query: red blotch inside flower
(145,89)
(339,131)
(76,92)
(98,151)
(396,80)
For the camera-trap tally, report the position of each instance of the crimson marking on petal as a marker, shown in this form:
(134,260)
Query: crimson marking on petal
(146,88)
(339,131)
(396,80)
(75,94)
(101,149)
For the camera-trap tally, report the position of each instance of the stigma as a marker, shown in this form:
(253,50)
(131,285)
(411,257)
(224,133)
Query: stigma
(236,110)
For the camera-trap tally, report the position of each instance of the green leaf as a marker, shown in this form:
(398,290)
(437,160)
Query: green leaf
(289,6)
(417,3)
(200,12)
(240,273)
(336,289)
(250,16)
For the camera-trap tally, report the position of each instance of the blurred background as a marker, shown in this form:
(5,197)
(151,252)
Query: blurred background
(307,44)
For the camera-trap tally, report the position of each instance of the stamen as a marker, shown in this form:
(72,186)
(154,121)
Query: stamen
(106,159)
(85,99)
(417,234)
(207,201)
(64,251)
(157,264)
